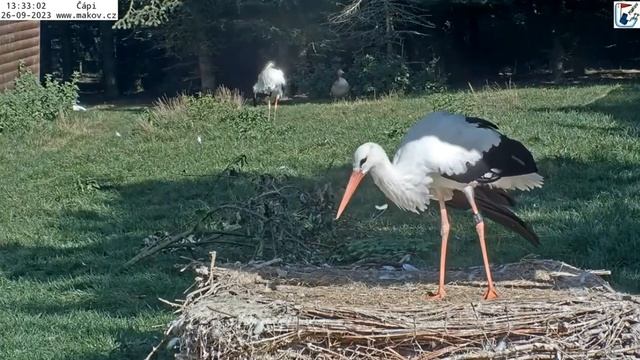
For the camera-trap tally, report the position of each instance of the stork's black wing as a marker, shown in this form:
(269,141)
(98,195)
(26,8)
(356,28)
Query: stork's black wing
(481,123)
(508,158)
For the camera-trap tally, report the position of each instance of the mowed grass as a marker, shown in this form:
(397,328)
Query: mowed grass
(77,200)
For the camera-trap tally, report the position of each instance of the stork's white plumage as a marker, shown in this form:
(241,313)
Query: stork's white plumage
(270,84)
(458,161)
(340,87)
(77,107)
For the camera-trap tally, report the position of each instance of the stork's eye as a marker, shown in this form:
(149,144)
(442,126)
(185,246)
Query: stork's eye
(363,161)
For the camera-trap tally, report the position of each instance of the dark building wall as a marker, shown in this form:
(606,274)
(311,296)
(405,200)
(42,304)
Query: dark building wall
(19,41)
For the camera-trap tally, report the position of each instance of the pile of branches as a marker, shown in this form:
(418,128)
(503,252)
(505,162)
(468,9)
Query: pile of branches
(281,220)
(234,314)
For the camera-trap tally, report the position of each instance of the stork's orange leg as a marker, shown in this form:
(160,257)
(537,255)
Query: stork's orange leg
(444,232)
(491,289)
(269,105)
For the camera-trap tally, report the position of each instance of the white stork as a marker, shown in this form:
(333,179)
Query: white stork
(77,107)
(270,84)
(340,87)
(461,162)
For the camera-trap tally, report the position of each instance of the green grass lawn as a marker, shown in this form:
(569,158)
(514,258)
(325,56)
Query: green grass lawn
(63,237)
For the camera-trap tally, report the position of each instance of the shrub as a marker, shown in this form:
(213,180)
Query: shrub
(378,75)
(428,78)
(221,112)
(368,75)
(315,80)
(30,103)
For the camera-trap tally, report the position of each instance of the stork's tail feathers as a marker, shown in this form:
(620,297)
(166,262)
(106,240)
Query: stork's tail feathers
(494,204)
(497,196)
(505,217)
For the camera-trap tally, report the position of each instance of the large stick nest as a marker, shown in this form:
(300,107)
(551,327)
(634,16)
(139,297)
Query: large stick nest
(547,310)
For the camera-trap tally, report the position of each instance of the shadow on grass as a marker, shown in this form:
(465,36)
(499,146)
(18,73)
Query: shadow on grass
(582,216)
(621,103)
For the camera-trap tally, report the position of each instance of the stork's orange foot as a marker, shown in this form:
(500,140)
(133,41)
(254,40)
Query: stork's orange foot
(439,295)
(490,294)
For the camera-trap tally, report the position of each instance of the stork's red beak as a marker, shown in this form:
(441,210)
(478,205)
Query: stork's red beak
(354,181)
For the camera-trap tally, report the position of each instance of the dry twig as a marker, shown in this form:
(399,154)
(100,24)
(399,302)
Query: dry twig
(238,320)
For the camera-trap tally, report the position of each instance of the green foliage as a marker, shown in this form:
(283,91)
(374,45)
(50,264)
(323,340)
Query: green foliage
(378,75)
(315,80)
(250,122)
(143,13)
(210,114)
(368,76)
(428,78)
(453,103)
(206,108)
(30,103)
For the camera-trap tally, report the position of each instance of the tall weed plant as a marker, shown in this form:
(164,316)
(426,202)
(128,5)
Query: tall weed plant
(30,102)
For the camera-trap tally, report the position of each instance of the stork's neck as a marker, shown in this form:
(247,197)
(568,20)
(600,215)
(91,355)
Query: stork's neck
(407,190)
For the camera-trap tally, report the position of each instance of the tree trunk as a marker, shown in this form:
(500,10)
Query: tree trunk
(206,70)
(388,29)
(556,58)
(579,67)
(476,61)
(577,60)
(109,79)
(283,55)
(557,54)
(67,51)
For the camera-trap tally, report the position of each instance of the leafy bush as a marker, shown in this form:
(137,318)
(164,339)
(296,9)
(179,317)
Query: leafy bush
(313,74)
(369,75)
(315,80)
(377,75)
(30,103)
(428,78)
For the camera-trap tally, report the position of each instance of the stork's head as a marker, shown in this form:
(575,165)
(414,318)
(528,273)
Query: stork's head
(340,72)
(366,158)
(269,65)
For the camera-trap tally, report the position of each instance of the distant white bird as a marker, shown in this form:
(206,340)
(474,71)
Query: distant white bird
(340,87)
(77,107)
(270,84)
(461,162)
